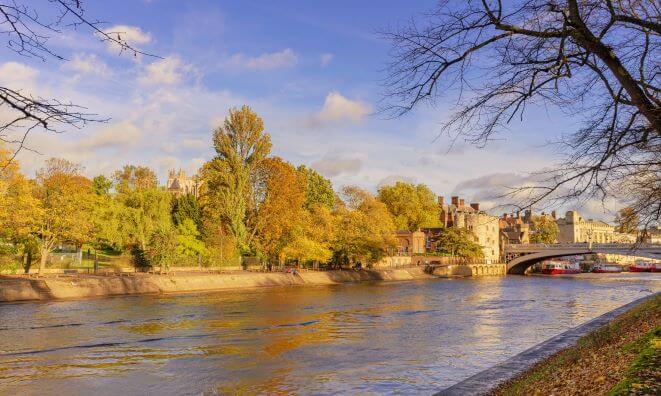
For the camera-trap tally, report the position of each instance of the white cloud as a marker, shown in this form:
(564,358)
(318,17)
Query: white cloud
(132,35)
(17,75)
(337,108)
(331,165)
(325,59)
(392,179)
(168,71)
(195,144)
(120,135)
(266,61)
(88,64)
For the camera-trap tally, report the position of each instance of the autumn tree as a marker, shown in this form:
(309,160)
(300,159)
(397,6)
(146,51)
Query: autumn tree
(627,221)
(543,229)
(132,177)
(20,211)
(596,60)
(313,236)
(279,196)
(318,189)
(365,230)
(412,206)
(458,242)
(227,195)
(67,200)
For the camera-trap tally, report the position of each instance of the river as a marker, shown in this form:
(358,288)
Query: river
(380,337)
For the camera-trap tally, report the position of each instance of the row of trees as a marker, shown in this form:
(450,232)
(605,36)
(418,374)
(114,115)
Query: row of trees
(250,204)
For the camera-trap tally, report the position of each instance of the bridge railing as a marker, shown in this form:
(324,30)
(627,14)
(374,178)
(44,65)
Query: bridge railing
(584,245)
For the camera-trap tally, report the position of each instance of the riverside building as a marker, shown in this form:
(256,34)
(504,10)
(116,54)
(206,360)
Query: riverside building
(484,226)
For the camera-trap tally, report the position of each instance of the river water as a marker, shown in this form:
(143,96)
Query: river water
(399,337)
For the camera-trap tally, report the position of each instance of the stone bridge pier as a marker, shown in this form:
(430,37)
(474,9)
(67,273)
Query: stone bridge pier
(468,270)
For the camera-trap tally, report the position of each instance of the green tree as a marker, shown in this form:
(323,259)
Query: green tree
(144,212)
(67,202)
(458,242)
(163,248)
(127,220)
(101,185)
(627,220)
(227,189)
(318,189)
(189,243)
(412,206)
(186,207)
(543,229)
(365,230)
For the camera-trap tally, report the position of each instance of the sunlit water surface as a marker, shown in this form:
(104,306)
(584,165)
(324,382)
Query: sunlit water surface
(405,337)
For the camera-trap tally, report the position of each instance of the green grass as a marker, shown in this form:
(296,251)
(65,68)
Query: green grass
(643,376)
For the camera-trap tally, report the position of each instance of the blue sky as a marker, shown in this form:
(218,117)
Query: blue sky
(311,69)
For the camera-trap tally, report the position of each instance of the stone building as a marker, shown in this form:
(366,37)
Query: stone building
(180,184)
(484,226)
(514,229)
(410,242)
(574,229)
(652,235)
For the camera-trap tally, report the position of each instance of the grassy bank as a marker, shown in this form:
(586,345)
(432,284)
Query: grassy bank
(621,358)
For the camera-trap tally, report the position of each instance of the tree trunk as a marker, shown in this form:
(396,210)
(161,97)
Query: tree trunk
(43,260)
(28,261)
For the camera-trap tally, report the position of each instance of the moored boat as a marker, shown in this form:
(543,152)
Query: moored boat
(644,266)
(606,268)
(557,267)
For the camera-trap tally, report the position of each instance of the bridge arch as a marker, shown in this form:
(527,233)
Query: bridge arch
(519,265)
(520,257)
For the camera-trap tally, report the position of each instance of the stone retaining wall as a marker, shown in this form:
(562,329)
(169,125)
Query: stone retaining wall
(84,286)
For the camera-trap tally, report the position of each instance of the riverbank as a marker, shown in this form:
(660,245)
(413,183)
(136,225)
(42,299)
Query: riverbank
(619,358)
(14,288)
(616,353)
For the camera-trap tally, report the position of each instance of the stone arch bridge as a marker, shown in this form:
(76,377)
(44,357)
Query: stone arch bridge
(520,257)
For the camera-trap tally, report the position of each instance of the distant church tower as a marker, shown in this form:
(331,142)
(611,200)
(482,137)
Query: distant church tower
(180,184)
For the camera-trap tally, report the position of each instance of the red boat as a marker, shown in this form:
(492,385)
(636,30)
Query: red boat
(606,269)
(644,266)
(556,267)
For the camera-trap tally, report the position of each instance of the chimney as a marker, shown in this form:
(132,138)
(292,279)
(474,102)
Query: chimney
(518,214)
(505,216)
(476,206)
(553,214)
(441,200)
(455,201)
(461,203)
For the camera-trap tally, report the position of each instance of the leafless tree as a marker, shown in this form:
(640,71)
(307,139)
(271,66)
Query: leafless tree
(597,60)
(27,32)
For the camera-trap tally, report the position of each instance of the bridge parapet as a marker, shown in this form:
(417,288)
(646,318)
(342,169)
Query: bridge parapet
(536,247)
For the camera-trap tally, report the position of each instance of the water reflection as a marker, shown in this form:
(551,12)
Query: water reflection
(374,338)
